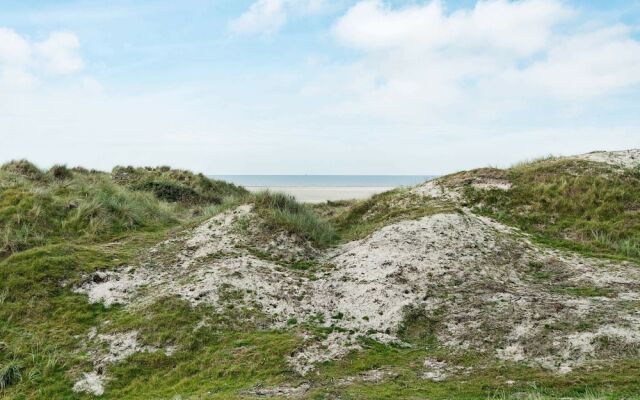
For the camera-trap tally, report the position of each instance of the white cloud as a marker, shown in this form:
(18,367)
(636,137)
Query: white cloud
(420,61)
(498,25)
(59,53)
(16,78)
(23,61)
(14,49)
(586,65)
(268,16)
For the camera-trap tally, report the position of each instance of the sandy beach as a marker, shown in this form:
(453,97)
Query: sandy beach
(310,194)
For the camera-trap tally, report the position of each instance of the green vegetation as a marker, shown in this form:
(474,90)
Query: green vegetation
(617,381)
(587,291)
(578,205)
(59,226)
(281,211)
(44,325)
(176,185)
(9,375)
(41,320)
(419,327)
(38,208)
(366,216)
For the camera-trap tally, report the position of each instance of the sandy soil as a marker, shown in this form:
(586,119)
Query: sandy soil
(478,284)
(624,158)
(478,277)
(309,194)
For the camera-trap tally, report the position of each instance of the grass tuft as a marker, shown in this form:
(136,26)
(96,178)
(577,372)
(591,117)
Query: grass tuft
(283,211)
(88,207)
(60,172)
(9,375)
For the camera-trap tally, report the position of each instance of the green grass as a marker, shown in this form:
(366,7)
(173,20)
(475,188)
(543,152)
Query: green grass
(43,326)
(41,321)
(586,291)
(281,211)
(38,208)
(59,225)
(9,374)
(173,185)
(366,216)
(577,205)
(89,207)
(485,379)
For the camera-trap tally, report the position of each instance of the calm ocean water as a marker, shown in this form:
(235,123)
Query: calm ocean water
(324,180)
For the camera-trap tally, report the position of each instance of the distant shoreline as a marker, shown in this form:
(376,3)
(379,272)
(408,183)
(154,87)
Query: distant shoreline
(324,181)
(316,194)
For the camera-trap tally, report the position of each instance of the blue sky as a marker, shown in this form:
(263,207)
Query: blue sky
(313,86)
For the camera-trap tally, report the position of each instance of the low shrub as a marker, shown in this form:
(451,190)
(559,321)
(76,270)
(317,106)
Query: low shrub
(60,172)
(176,185)
(175,192)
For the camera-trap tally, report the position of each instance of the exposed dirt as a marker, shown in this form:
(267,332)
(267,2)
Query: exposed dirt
(451,187)
(106,349)
(625,158)
(438,370)
(280,391)
(482,286)
(470,282)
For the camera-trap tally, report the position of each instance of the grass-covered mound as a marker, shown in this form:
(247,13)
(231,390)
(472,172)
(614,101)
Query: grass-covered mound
(173,185)
(355,220)
(585,206)
(41,207)
(44,325)
(58,228)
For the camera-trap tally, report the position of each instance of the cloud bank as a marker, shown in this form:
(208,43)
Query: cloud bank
(355,86)
(499,54)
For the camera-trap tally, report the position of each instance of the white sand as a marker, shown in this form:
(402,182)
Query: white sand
(310,194)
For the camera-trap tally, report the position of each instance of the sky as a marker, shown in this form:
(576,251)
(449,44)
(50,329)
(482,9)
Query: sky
(316,86)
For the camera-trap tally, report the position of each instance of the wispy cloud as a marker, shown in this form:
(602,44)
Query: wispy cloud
(269,16)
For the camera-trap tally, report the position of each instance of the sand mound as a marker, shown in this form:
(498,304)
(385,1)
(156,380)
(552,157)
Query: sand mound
(481,286)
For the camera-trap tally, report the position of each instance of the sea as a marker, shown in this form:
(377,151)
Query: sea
(324,180)
(322,188)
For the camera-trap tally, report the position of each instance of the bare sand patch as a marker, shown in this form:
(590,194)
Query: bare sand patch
(311,194)
(625,158)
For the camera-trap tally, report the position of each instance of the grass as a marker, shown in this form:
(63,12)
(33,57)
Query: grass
(366,216)
(43,327)
(173,185)
(281,211)
(572,204)
(9,374)
(486,379)
(587,291)
(38,208)
(59,225)
(41,322)
(92,208)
